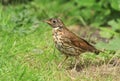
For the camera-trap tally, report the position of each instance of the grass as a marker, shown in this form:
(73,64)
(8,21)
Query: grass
(27,51)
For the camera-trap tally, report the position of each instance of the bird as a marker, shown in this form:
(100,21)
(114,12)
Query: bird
(67,42)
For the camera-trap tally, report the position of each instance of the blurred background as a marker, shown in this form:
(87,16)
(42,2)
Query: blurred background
(27,51)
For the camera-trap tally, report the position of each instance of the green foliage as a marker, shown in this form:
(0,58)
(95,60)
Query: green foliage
(7,2)
(115,4)
(112,45)
(115,25)
(96,12)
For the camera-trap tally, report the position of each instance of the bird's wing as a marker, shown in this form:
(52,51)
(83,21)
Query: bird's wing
(79,42)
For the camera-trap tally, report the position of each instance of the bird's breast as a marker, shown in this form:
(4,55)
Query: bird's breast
(57,36)
(61,45)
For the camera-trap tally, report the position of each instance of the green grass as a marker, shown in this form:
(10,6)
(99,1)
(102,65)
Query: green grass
(27,51)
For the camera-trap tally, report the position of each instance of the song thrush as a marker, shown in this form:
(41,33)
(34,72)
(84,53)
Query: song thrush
(67,42)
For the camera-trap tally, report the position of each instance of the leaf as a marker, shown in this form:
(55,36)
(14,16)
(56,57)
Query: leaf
(115,25)
(87,3)
(115,44)
(115,4)
(107,33)
(112,45)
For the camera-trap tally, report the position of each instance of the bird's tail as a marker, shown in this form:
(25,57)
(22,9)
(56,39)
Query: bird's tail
(98,51)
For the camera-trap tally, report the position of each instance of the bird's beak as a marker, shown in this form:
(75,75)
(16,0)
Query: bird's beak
(47,21)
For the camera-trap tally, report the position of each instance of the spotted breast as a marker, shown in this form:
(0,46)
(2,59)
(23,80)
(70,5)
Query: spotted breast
(63,44)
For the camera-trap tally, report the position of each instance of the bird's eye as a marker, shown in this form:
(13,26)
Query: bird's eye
(54,21)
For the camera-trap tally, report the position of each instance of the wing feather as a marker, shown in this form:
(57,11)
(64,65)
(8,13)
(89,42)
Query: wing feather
(79,42)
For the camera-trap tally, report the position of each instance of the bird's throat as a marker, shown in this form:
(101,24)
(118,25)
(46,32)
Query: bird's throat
(57,28)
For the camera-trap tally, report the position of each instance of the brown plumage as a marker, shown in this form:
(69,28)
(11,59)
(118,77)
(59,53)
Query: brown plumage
(67,42)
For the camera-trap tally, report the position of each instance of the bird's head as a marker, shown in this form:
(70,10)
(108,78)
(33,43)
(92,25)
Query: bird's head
(55,22)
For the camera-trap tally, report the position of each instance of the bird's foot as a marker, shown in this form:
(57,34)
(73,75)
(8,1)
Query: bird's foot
(74,69)
(59,66)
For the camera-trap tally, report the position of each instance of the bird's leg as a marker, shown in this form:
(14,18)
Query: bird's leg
(76,62)
(61,63)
